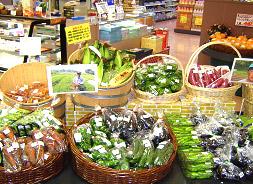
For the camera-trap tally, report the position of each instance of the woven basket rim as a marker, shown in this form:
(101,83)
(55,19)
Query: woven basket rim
(162,97)
(96,167)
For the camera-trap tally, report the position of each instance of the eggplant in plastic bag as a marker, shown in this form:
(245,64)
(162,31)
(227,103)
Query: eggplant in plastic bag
(197,117)
(128,126)
(144,120)
(159,132)
(111,119)
(229,171)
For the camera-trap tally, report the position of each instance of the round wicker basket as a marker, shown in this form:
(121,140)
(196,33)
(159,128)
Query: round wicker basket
(221,94)
(166,98)
(52,167)
(21,74)
(94,173)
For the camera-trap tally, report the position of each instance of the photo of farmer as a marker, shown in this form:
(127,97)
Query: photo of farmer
(250,73)
(79,78)
(242,70)
(78,82)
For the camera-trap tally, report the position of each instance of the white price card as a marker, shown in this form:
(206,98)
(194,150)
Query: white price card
(30,46)
(119,9)
(102,7)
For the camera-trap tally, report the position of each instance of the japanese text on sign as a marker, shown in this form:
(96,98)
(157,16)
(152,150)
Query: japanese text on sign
(78,33)
(244,20)
(198,21)
(183,18)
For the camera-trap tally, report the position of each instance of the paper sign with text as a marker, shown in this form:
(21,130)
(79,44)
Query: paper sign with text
(102,8)
(78,33)
(244,20)
(30,46)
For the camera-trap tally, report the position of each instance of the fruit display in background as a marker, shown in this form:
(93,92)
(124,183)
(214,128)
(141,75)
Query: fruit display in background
(209,77)
(159,79)
(124,139)
(114,66)
(240,42)
(221,28)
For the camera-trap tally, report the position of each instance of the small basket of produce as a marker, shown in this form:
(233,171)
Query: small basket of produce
(208,81)
(29,91)
(122,146)
(159,79)
(31,146)
(115,73)
(222,33)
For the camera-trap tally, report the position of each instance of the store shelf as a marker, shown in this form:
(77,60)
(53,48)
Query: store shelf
(187,31)
(172,5)
(171,18)
(9,37)
(186,5)
(155,4)
(159,11)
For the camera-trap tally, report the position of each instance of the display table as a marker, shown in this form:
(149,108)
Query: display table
(176,176)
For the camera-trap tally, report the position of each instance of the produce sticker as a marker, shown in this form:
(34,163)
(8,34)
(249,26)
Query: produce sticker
(244,20)
(78,33)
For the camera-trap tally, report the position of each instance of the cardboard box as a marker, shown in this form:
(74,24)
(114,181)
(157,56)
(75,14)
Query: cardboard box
(184,20)
(152,42)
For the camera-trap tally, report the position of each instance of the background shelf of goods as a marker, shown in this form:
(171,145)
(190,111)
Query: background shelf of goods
(197,15)
(164,10)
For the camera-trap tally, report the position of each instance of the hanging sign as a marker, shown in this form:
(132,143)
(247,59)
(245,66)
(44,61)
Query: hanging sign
(244,20)
(26,43)
(78,33)
(183,18)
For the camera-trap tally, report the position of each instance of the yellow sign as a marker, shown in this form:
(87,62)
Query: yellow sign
(183,18)
(198,21)
(78,33)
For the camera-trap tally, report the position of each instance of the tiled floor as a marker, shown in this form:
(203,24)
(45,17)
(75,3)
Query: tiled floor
(182,45)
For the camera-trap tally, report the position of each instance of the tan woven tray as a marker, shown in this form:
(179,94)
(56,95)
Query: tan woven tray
(221,94)
(51,168)
(94,173)
(166,98)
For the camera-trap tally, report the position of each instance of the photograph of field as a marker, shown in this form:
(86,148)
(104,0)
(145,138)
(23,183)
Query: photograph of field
(240,70)
(72,79)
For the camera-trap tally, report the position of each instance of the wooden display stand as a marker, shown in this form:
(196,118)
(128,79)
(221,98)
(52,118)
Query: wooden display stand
(184,20)
(223,12)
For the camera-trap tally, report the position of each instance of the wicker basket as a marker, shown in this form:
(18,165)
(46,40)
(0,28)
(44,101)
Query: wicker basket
(51,168)
(93,173)
(248,96)
(106,96)
(221,94)
(166,98)
(24,74)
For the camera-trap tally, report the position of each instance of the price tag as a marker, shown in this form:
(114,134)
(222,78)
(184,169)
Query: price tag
(198,21)
(183,18)
(30,46)
(78,33)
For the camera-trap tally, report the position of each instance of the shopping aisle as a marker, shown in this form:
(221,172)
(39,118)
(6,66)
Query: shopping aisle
(181,45)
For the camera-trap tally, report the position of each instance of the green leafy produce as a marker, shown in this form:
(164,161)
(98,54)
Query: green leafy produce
(97,124)
(164,149)
(195,157)
(87,55)
(199,175)
(159,79)
(198,167)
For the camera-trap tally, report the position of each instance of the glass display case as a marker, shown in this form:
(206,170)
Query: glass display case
(50,30)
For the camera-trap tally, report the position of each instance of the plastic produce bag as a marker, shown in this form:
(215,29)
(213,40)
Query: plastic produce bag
(159,131)
(163,153)
(12,157)
(82,136)
(229,171)
(144,120)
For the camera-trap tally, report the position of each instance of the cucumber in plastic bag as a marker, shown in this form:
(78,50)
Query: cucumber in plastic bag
(163,153)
